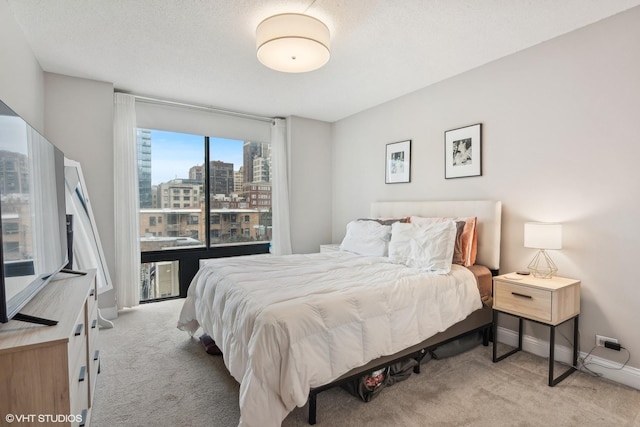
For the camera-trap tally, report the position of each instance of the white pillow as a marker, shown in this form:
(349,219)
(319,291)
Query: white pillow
(427,247)
(366,238)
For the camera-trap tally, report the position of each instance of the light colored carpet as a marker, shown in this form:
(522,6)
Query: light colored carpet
(153,374)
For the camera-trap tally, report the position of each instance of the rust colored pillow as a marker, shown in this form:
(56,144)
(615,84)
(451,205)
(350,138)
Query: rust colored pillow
(458,253)
(468,239)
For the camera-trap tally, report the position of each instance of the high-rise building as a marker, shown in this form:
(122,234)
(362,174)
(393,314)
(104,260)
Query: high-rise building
(261,170)
(196,173)
(220,178)
(179,194)
(250,152)
(238,180)
(14,173)
(143,143)
(258,195)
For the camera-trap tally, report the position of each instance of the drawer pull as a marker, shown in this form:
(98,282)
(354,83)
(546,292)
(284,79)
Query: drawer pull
(94,323)
(83,421)
(515,294)
(79,329)
(83,371)
(96,355)
(92,292)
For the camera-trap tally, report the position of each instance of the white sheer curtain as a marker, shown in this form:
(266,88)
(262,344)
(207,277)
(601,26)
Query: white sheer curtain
(42,171)
(127,274)
(281,237)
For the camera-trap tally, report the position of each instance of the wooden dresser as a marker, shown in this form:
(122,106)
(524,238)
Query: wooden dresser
(48,373)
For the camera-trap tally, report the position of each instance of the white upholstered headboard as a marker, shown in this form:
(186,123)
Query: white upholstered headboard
(489,214)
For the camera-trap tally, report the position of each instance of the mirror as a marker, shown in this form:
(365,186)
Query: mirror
(87,249)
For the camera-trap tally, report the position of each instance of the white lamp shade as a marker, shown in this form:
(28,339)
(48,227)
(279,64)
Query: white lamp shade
(292,43)
(541,235)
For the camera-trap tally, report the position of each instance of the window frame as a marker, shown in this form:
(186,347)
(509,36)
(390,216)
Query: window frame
(188,258)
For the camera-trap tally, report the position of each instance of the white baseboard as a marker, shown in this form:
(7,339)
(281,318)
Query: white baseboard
(610,370)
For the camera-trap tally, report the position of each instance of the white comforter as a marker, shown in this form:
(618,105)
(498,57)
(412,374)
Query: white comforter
(289,323)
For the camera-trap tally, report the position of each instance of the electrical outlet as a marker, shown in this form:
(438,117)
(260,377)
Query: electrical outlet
(600,340)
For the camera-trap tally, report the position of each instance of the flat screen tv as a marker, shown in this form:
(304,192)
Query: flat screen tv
(32,207)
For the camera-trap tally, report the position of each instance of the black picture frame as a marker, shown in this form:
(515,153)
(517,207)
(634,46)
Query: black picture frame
(463,152)
(398,162)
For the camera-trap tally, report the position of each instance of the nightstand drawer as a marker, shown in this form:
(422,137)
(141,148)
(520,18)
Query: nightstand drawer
(522,300)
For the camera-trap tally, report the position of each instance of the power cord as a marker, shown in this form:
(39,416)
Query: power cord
(583,363)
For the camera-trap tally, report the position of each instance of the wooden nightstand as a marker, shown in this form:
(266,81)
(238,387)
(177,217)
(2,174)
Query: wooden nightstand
(549,302)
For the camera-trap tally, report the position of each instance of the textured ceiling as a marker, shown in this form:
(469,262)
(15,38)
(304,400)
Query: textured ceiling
(203,51)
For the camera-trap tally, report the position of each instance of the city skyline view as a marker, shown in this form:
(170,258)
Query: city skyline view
(173,197)
(171,163)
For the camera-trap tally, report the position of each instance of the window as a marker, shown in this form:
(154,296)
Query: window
(11,250)
(10,227)
(159,280)
(176,184)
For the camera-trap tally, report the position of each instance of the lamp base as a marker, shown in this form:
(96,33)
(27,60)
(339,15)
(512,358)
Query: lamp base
(541,266)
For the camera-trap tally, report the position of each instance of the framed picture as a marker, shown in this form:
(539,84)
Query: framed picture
(463,152)
(398,164)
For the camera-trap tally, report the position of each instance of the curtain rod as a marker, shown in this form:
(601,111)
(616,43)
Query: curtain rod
(152,100)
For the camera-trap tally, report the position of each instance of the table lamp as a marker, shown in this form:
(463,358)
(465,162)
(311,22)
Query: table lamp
(542,236)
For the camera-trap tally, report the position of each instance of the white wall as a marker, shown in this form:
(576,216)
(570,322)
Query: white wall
(79,120)
(560,143)
(310,191)
(21,78)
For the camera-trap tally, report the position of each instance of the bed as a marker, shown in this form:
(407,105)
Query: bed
(291,327)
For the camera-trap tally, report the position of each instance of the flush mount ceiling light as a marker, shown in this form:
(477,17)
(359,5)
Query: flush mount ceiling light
(292,43)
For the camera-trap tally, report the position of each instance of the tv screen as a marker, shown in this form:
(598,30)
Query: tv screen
(32,207)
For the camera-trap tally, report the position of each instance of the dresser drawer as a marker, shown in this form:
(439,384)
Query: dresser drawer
(93,360)
(92,299)
(79,388)
(78,343)
(92,324)
(522,300)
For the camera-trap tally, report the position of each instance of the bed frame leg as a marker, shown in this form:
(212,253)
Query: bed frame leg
(485,335)
(418,358)
(312,408)
(416,369)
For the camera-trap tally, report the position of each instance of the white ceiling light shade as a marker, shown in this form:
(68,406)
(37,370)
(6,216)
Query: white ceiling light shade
(292,43)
